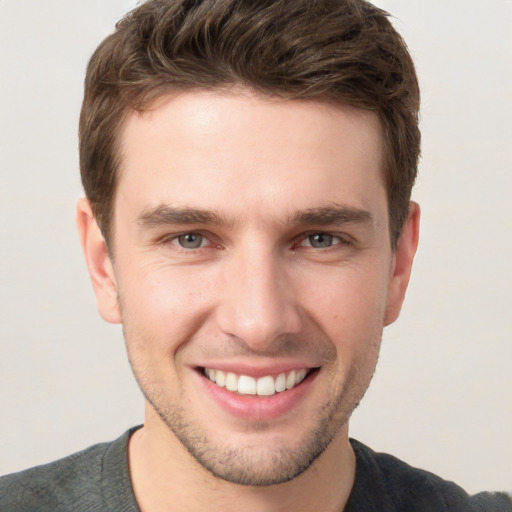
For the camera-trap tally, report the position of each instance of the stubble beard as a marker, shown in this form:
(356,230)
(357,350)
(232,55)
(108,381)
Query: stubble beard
(264,467)
(254,466)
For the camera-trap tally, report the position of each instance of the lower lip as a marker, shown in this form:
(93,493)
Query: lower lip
(255,408)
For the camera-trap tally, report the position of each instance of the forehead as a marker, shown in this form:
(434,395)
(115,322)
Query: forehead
(210,149)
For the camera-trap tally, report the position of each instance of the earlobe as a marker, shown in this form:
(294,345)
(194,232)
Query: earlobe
(98,262)
(402,263)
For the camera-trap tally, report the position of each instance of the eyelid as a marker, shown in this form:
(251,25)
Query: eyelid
(203,243)
(212,240)
(344,239)
(334,238)
(172,238)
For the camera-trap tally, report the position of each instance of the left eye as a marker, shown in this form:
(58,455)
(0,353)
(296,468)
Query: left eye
(321,240)
(191,240)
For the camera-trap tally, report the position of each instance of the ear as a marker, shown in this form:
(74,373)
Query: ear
(402,263)
(98,262)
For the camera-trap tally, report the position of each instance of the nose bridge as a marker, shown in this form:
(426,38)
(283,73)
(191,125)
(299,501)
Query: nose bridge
(257,301)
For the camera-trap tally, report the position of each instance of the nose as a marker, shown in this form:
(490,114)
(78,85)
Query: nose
(258,304)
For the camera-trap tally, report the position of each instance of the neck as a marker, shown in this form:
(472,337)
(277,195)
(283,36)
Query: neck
(163,473)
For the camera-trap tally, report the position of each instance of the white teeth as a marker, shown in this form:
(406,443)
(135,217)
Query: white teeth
(231,382)
(221,378)
(290,380)
(281,382)
(264,386)
(246,385)
(300,376)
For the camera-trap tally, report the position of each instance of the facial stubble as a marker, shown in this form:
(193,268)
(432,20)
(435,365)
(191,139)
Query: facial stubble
(252,465)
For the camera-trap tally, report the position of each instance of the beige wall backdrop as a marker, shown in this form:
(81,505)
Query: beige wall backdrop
(442,395)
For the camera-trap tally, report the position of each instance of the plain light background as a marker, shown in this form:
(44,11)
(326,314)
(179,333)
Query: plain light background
(442,395)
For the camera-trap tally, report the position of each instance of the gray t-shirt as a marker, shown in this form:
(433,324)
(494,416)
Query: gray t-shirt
(93,480)
(97,480)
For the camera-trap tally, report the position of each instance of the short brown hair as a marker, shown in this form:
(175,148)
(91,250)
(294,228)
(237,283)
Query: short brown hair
(341,51)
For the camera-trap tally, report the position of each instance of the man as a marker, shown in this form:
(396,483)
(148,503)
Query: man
(248,169)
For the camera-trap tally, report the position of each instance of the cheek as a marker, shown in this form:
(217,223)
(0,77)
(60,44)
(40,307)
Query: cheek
(348,304)
(161,307)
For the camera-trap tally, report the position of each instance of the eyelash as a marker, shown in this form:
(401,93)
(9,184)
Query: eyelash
(174,240)
(342,241)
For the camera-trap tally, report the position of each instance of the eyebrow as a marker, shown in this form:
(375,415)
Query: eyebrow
(328,215)
(163,215)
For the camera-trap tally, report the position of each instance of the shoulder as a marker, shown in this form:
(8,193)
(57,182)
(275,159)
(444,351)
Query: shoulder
(384,479)
(72,479)
(72,483)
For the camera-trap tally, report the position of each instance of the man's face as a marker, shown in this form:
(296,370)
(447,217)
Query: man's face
(251,248)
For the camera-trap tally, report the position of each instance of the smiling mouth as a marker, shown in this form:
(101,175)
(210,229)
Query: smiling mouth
(264,386)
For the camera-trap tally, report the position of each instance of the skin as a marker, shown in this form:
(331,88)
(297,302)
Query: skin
(293,268)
